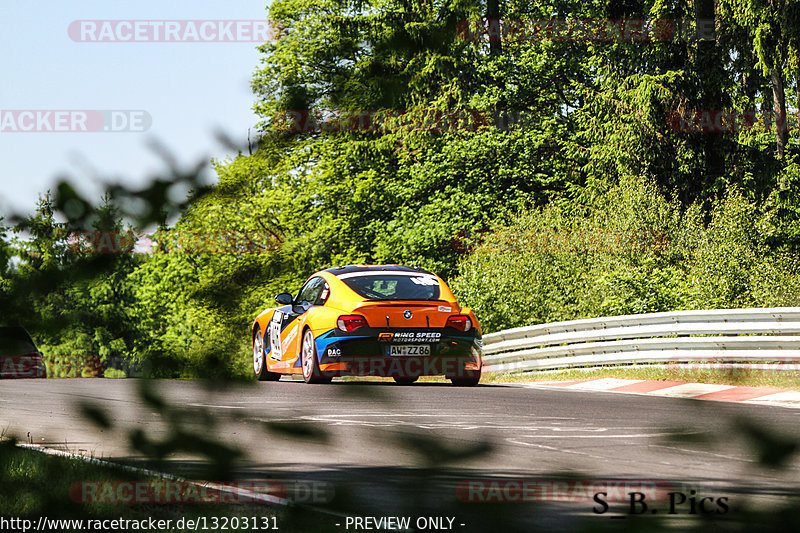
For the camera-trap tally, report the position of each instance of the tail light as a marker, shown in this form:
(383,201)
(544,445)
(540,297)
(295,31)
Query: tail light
(460,322)
(351,322)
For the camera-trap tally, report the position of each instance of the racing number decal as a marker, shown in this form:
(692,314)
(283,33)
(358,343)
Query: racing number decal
(275,336)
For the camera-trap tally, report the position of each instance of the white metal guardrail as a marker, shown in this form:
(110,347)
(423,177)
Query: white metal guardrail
(719,335)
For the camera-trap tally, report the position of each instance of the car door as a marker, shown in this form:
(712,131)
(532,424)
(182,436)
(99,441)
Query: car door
(295,316)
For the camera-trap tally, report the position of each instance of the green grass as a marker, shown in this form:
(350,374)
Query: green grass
(781,379)
(34,484)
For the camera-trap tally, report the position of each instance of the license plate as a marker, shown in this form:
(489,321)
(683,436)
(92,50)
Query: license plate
(410,349)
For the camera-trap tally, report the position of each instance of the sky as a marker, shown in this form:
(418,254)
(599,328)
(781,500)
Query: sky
(188,90)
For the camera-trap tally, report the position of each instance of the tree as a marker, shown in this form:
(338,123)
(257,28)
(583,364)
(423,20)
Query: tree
(76,295)
(772,28)
(5,258)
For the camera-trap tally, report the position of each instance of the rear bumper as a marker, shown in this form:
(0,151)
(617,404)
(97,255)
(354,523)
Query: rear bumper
(22,366)
(367,352)
(403,367)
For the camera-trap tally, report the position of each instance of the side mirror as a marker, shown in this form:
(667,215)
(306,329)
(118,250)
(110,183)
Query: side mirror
(284,298)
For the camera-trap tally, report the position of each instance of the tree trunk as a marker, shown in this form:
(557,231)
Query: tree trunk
(493,14)
(709,63)
(796,119)
(779,109)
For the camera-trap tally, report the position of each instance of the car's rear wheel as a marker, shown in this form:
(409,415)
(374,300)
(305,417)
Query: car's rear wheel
(405,380)
(259,359)
(308,359)
(467,379)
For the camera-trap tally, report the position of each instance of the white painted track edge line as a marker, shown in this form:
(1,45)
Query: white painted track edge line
(154,473)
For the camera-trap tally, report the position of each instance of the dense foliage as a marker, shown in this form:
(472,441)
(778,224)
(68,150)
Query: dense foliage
(633,252)
(550,176)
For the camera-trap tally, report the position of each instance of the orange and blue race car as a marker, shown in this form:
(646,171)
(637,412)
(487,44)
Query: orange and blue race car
(368,320)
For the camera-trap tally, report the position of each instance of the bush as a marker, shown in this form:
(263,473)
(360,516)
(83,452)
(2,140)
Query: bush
(114,373)
(633,252)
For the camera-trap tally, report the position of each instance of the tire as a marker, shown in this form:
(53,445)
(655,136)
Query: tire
(405,380)
(308,360)
(260,360)
(470,380)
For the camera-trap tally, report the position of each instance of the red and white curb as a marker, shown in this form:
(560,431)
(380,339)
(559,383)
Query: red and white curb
(675,389)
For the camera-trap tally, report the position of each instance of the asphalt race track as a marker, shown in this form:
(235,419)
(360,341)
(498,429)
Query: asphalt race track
(387,449)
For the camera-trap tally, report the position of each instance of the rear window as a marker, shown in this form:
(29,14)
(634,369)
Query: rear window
(15,341)
(393,287)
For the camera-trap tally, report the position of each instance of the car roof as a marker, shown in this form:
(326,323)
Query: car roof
(348,269)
